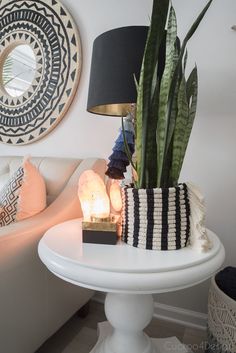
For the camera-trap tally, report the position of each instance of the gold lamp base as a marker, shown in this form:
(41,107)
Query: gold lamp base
(100,231)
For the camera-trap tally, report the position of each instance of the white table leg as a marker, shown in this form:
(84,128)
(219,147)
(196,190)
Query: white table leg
(128,315)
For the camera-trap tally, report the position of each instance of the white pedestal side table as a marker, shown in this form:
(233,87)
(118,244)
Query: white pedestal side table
(129,276)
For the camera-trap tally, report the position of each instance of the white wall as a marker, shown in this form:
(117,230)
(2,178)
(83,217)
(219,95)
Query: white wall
(210,160)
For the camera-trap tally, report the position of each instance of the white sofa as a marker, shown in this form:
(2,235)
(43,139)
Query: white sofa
(33,302)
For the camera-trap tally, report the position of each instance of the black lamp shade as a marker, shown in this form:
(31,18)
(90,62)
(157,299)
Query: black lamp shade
(116,59)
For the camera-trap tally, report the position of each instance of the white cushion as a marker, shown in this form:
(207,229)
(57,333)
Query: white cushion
(3,180)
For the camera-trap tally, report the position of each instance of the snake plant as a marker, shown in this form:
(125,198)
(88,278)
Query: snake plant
(166,102)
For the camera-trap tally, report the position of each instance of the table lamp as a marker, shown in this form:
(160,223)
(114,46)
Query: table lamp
(116,60)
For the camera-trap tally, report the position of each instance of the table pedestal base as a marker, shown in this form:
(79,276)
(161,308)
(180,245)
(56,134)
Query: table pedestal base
(128,315)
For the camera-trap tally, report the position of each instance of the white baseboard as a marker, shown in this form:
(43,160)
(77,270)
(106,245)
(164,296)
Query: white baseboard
(180,316)
(187,318)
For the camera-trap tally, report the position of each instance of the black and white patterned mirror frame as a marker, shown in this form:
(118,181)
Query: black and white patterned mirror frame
(52,34)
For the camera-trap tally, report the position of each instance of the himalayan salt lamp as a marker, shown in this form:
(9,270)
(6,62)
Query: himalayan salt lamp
(97,227)
(115,195)
(93,197)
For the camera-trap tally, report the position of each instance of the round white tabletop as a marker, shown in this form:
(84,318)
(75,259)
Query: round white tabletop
(123,268)
(130,276)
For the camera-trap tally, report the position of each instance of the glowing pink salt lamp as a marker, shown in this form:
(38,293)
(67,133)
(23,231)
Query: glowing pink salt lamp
(94,201)
(115,195)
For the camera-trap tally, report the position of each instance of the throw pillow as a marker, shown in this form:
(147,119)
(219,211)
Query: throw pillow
(23,196)
(9,198)
(32,194)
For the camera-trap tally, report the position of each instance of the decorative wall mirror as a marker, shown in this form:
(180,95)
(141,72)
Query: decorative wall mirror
(40,64)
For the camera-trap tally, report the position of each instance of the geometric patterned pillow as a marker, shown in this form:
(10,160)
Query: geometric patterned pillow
(9,198)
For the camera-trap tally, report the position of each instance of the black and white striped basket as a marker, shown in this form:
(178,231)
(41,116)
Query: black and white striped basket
(156,219)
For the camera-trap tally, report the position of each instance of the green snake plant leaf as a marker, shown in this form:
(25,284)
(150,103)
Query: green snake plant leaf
(127,150)
(166,179)
(136,83)
(162,124)
(144,119)
(138,130)
(188,36)
(192,92)
(180,130)
(185,59)
(151,146)
(174,106)
(191,84)
(188,105)
(174,83)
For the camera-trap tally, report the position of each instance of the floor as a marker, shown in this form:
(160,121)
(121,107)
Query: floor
(80,335)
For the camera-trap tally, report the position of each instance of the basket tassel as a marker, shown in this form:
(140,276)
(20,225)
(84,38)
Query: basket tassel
(198,233)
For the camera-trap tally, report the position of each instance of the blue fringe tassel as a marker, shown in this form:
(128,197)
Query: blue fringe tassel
(118,159)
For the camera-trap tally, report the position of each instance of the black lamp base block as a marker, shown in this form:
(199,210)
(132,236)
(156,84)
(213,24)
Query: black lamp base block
(99,237)
(100,232)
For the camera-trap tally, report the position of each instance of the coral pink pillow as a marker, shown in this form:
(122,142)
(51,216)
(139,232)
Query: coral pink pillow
(32,194)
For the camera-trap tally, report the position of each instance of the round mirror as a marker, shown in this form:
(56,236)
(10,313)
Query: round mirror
(19,70)
(40,65)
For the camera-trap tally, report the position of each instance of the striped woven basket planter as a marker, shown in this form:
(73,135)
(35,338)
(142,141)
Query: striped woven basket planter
(221,321)
(156,219)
